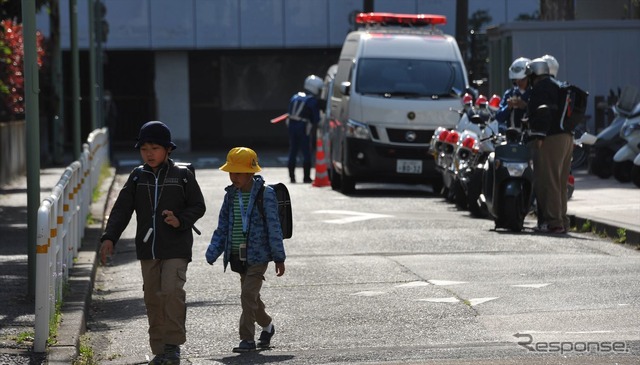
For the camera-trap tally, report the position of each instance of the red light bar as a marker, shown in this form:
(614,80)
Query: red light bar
(392,18)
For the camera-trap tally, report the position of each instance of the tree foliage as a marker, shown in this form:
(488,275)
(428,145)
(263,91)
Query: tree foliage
(12,9)
(11,68)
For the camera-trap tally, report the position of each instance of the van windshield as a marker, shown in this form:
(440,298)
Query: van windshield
(409,77)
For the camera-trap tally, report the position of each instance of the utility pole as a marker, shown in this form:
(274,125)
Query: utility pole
(367,6)
(32,116)
(462,20)
(75,77)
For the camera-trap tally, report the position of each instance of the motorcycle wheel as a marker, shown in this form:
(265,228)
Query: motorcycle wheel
(437,185)
(635,175)
(601,163)
(460,196)
(622,171)
(570,189)
(473,195)
(579,157)
(512,209)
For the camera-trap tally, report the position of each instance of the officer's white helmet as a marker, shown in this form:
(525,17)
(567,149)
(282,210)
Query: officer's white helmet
(537,67)
(517,68)
(313,84)
(553,64)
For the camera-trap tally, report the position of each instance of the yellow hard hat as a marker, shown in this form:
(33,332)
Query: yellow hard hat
(242,160)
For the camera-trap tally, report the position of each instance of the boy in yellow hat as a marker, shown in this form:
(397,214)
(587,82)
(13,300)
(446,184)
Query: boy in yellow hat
(249,239)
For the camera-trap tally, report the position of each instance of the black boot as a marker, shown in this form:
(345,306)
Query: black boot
(292,173)
(307,173)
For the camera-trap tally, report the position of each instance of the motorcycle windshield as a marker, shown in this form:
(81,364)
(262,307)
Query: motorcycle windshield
(409,78)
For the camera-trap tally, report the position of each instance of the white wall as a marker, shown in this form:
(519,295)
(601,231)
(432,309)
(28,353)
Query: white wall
(172,94)
(597,55)
(205,24)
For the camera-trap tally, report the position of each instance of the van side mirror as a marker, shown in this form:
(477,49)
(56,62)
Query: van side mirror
(345,87)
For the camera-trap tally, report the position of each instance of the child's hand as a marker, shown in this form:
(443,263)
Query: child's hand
(170,219)
(279,268)
(106,250)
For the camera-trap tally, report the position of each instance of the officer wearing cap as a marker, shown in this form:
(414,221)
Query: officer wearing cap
(167,201)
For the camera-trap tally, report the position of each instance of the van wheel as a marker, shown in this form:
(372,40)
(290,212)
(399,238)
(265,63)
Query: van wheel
(335,179)
(348,185)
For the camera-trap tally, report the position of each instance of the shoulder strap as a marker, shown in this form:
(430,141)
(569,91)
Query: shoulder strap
(260,200)
(136,173)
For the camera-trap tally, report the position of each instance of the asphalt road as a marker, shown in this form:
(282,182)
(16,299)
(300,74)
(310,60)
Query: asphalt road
(389,276)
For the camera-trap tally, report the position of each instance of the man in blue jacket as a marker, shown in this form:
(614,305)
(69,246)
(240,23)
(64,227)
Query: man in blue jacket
(304,114)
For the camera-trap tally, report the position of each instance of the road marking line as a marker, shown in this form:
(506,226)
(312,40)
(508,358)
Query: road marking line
(536,286)
(440,300)
(476,301)
(412,284)
(446,282)
(371,293)
(351,216)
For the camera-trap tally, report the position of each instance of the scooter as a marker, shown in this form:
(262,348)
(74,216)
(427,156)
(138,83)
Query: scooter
(609,140)
(626,165)
(507,182)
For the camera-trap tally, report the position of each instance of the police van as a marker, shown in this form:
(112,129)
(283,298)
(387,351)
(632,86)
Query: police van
(398,78)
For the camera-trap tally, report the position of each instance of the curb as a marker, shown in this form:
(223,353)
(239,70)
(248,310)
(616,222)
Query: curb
(632,236)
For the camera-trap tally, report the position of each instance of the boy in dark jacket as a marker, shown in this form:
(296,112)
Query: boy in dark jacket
(168,201)
(249,239)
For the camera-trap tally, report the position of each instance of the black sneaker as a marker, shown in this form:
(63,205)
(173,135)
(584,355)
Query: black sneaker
(245,346)
(265,337)
(171,355)
(157,360)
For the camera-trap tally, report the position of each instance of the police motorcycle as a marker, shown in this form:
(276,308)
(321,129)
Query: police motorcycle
(448,156)
(472,147)
(626,165)
(507,182)
(444,142)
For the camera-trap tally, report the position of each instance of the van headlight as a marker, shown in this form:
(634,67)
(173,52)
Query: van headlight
(357,130)
(515,168)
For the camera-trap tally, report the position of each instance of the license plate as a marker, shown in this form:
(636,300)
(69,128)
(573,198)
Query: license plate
(409,166)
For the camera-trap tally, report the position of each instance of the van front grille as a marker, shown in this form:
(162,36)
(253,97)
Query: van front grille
(400,136)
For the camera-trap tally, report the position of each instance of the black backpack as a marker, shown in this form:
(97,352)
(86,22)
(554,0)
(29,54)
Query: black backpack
(572,106)
(284,208)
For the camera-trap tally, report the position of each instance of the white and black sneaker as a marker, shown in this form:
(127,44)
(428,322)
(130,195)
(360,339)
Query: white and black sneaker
(265,337)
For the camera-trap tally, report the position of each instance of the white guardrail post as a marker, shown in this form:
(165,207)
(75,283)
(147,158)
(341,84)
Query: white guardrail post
(61,225)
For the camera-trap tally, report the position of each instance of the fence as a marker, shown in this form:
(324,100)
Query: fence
(13,150)
(61,223)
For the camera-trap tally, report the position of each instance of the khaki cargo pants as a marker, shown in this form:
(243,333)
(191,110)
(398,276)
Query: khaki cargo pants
(165,300)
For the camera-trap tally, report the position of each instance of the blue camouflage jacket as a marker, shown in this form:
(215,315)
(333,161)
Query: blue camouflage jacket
(264,244)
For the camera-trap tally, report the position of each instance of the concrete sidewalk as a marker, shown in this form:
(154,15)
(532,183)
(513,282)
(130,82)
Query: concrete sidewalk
(602,205)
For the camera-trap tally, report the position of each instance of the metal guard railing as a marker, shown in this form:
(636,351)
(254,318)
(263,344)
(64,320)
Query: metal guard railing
(61,224)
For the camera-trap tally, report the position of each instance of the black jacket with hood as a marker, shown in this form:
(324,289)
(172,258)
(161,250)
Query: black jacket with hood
(169,191)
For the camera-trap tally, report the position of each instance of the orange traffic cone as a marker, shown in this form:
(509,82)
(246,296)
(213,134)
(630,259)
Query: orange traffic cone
(322,177)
